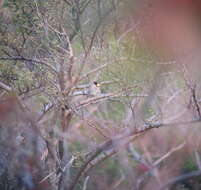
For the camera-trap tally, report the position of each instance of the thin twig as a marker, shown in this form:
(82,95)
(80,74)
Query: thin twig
(85,183)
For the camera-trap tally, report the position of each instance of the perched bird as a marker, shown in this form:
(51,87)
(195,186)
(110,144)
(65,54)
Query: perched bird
(94,89)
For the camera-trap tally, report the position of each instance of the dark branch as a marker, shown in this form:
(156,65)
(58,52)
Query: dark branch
(21,58)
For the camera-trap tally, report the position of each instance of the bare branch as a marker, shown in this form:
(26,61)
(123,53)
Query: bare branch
(5,87)
(85,183)
(94,71)
(21,58)
(122,140)
(181,178)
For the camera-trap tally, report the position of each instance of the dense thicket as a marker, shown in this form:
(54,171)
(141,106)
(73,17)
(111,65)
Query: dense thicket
(99,94)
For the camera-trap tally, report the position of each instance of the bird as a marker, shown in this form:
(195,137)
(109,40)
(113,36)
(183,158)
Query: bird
(94,89)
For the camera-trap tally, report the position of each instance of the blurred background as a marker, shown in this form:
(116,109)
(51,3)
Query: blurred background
(100,94)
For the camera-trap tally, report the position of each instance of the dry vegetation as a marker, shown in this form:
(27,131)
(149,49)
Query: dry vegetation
(100,94)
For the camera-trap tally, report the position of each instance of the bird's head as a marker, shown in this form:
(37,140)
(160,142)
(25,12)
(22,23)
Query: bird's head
(96,83)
